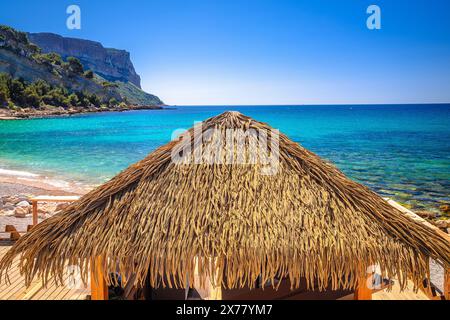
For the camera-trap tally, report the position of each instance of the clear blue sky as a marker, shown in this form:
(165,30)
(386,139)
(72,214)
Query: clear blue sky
(265,52)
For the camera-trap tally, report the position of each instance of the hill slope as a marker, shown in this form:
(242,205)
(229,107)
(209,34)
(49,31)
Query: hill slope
(21,59)
(33,83)
(110,64)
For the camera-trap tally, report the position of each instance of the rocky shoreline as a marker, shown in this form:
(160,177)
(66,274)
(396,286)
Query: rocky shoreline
(16,189)
(29,113)
(15,205)
(19,206)
(440,219)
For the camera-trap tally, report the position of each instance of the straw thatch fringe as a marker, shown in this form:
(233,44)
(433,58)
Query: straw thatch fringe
(308,222)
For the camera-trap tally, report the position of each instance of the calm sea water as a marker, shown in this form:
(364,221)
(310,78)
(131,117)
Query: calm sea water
(398,151)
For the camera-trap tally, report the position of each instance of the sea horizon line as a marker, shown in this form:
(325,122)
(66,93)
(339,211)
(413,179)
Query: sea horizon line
(307,105)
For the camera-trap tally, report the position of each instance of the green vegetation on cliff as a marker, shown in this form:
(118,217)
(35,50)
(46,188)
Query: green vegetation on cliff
(32,79)
(18,43)
(18,93)
(111,65)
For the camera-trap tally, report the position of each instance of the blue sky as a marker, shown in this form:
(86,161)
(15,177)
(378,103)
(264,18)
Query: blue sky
(265,51)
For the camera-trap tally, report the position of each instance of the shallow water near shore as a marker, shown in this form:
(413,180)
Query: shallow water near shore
(400,151)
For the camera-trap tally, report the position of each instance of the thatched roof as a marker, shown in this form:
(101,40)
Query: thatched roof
(307,222)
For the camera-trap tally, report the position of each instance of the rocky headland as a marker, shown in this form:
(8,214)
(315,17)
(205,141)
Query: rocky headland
(65,76)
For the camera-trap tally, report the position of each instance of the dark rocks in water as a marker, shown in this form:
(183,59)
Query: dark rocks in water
(445,209)
(442,224)
(426,214)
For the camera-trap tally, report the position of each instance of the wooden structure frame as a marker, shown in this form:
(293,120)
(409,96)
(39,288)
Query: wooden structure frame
(99,288)
(447,284)
(36,200)
(364,290)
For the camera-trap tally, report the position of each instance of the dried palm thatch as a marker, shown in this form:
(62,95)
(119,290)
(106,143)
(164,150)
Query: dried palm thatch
(307,222)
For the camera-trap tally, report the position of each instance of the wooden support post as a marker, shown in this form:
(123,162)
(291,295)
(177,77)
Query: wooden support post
(215,293)
(205,287)
(447,284)
(99,288)
(35,212)
(10,228)
(364,292)
(14,236)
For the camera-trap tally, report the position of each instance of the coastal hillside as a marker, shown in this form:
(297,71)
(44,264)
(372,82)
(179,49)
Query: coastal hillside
(33,82)
(20,59)
(110,64)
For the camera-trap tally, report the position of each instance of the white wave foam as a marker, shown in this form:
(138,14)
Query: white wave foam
(16,173)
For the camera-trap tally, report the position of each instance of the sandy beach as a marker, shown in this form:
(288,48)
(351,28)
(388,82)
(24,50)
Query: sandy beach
(15,182)
(18,186)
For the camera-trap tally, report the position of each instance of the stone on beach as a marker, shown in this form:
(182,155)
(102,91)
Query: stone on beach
(7,213)
(23,204)
(14,199)
(20,212)
(426,214)
(61,206)
(8,206)
(45,210)
(443,224)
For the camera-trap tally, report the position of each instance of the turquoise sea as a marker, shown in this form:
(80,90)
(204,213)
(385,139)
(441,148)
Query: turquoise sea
(402,151)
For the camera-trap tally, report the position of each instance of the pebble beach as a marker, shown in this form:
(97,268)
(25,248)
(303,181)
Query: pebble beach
(16,188)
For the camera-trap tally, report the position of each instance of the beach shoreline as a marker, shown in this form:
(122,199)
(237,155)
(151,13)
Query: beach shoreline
(61,113)
(25,182)
(16,188)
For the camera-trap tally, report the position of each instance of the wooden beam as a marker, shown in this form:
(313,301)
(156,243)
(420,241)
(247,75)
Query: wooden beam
(35,212)
(364,292)
(99,288)
(35,200)
(447,284)
(55,198)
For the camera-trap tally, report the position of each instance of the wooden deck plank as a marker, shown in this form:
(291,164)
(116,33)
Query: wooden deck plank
(81,295)
(12,289)
(16,290)
(16,282)
(53,294)
(73,293)
(27,292)
(396,294)
(13,273)
(39,292)
(47,291)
